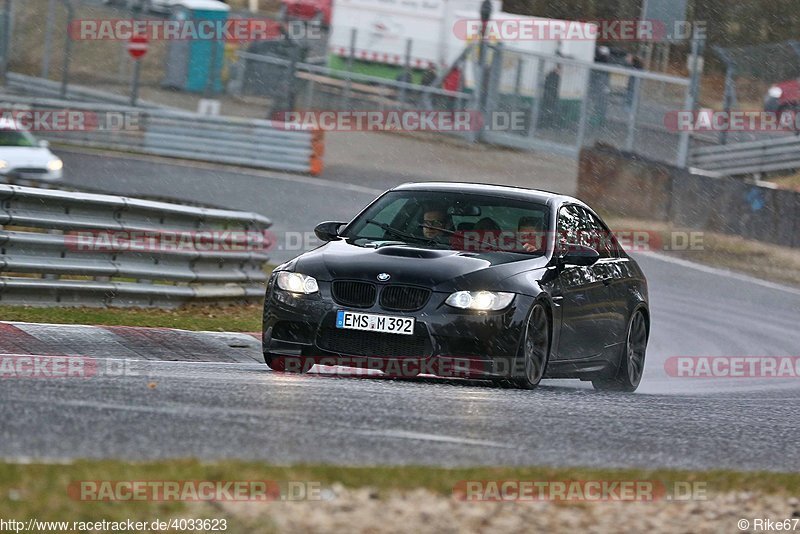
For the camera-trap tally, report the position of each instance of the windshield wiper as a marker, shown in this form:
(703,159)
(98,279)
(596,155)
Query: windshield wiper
(400,234)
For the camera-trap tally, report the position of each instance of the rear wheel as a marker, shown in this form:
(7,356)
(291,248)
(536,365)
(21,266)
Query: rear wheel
(531,360)
(631,365)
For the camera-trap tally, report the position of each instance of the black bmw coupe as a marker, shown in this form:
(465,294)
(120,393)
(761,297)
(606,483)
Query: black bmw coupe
(466,280)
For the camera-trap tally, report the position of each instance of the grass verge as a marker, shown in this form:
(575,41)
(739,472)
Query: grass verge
(41,490)
(233,318)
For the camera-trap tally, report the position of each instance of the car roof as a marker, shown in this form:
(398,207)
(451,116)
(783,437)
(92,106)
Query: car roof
(508,191)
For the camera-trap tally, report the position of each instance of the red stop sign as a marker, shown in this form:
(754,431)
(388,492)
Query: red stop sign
(137,46)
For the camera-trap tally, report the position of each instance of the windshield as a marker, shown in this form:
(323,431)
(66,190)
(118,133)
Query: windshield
(17,138)
(456,221)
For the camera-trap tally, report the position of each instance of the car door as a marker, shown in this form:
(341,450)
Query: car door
(580,292)
(613,309)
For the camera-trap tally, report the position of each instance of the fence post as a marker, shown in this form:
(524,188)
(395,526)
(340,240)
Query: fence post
(637,93)
(517,81)
(48,38)
(350,59)
(584,111)
(291,87)
(698,45)
(406,72)
(536,108)
(6,43)
(493,84)
(67,50)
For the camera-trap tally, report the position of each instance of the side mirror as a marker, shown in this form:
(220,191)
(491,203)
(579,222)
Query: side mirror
(44,144)
(579,255)
(328,231)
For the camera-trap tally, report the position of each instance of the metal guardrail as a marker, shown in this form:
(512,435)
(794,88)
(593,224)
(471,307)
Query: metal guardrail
(755,157)
(42,87)
(43,260)
(182,134)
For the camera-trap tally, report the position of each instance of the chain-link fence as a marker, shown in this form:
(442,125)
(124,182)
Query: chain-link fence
(749,73)
(564,104)
(527,100)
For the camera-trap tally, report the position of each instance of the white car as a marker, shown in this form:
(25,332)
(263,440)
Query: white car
(24,159)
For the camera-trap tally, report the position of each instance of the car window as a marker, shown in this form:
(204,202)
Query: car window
(569,225)
(16,138)
(579,226)
(464,221)
(384,216)
(599,237)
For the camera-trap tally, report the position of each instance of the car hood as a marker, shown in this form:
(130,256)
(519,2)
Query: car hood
(441,270)
(20,156)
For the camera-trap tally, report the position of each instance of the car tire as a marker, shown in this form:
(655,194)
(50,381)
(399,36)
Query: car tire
(631,364)
(277,362)
(534,350)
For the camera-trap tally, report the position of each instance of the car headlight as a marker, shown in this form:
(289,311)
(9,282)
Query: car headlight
(55,165)
(3,164)
(480,300)
(775,92)
(297,283)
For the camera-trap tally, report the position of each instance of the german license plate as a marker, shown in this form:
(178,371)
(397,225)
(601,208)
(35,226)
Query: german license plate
(374,323)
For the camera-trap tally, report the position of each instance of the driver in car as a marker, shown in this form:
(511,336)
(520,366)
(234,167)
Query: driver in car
(531,233)
(436,224)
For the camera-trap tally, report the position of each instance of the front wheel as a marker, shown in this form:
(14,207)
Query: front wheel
(631,365)
(533,352)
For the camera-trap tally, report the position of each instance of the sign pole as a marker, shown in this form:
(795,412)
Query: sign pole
(137,70)
(137,48)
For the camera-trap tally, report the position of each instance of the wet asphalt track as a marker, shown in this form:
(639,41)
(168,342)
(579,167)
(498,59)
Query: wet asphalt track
(242,410)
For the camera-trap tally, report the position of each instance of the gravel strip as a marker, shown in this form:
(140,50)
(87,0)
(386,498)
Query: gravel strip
(365,511)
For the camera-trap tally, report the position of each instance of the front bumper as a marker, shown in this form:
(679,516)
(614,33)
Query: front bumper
(31,177)
(446,341)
